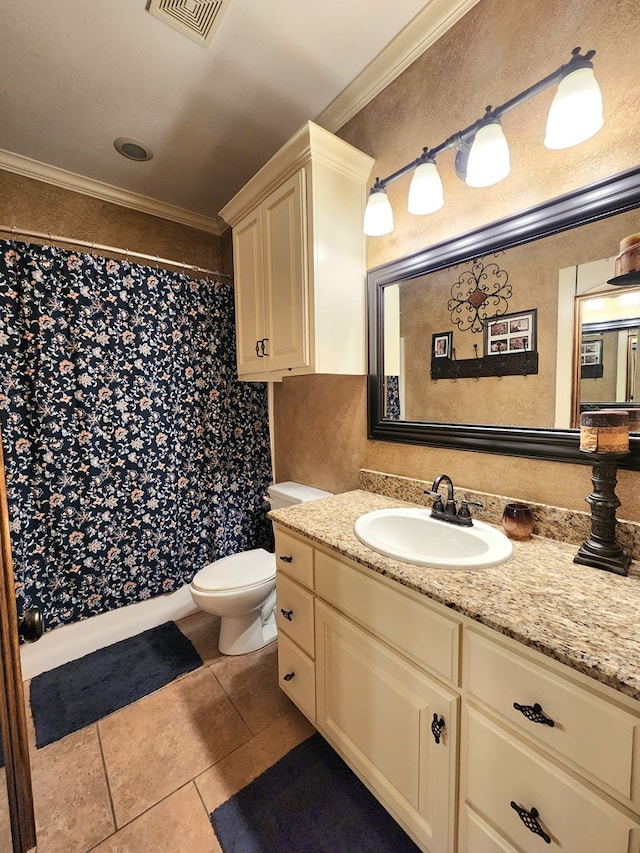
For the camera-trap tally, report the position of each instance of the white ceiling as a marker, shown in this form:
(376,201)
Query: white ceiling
(76,74)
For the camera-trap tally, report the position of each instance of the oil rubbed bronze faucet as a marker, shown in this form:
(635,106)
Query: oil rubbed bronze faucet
(449,511)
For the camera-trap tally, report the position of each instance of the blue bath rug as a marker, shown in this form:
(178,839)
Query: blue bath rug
(82,691)
(309,802)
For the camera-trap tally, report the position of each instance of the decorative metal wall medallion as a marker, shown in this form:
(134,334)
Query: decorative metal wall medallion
(480,292)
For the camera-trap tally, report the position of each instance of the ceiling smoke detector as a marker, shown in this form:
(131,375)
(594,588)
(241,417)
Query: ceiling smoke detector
(195,19)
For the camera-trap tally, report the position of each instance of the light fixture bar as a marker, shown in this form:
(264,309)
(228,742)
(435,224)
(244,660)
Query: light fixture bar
(463,139)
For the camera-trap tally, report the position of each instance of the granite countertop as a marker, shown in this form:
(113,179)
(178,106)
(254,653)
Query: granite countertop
(583,617)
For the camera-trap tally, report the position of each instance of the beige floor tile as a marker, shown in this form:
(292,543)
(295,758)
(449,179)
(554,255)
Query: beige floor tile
(178,824)
(156,745)
(251,682)
(203,629)
(237,770)
(71,799)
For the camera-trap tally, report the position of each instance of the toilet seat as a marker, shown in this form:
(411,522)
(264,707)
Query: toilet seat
(237,571)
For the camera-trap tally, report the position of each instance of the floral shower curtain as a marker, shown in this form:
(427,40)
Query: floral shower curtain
(133,454)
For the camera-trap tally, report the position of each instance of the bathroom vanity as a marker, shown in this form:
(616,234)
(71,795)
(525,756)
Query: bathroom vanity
(489,710)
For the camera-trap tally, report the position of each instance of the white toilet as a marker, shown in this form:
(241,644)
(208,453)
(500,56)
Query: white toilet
(241,588)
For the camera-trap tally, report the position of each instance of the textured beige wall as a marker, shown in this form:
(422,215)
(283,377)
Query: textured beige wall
(498,49)
(41,207)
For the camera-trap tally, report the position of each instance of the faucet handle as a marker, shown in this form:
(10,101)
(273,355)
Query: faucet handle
(437,505)
(464,512)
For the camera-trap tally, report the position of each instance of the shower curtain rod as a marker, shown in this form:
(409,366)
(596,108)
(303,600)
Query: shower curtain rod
(55,238)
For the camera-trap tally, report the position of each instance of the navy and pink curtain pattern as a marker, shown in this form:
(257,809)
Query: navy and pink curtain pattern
(133,454)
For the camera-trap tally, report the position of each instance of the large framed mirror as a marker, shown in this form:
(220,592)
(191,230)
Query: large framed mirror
(484,342)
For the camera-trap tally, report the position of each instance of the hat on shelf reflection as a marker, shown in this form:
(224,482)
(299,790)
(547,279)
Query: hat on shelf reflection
(626,271)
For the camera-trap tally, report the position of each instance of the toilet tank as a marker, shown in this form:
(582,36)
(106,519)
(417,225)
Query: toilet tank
(289,493)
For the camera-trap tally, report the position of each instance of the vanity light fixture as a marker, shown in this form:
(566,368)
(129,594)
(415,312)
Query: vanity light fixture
(482,151)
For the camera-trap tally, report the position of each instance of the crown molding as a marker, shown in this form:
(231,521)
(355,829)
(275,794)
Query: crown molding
(29,168)
(420,33)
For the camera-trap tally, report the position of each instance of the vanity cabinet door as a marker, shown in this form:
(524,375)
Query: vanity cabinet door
(295,558)
(593,734)
(271,286)
(249,293)
(533,803)
(296,676)
(377,709)
(294,612)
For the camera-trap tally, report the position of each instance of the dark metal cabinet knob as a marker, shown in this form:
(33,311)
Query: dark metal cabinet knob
(286,559)
(288,614)
(288,676)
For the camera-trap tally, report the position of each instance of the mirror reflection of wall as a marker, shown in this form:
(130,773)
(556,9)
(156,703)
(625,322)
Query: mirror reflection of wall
(543,276)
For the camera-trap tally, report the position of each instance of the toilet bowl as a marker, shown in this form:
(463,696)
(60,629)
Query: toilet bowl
(241,588)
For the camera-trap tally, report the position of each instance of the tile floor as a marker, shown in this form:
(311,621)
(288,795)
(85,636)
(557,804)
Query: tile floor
(147,777)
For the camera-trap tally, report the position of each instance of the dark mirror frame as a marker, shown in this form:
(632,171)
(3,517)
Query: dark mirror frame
(617,194)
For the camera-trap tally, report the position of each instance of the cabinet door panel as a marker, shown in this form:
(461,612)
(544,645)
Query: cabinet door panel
(431,639)
(294,612)
(500,770)
(295,558)
(249,293)
(594,734)
(286,279)
(296,676)
(478,837)
(377,708)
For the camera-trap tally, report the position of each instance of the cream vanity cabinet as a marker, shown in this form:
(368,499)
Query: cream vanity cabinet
(372,668)
(299,260)
(472,741)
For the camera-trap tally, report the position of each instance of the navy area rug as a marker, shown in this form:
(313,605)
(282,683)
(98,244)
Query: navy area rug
(83,691)
(309,802)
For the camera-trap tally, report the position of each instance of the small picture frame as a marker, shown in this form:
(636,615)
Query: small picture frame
(441,345)
(510,333)
(591,351)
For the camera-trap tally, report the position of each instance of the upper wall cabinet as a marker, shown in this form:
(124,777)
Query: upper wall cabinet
(299,260)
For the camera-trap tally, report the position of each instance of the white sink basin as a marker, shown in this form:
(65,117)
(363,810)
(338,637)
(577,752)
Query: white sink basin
(412,536)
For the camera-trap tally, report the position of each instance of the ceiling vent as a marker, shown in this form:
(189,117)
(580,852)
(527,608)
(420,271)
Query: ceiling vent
(196,19)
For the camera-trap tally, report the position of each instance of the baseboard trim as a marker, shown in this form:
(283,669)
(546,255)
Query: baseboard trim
(74,641)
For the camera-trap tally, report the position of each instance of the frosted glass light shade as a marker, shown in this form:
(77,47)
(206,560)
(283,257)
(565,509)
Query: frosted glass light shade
(425,190)
(378,216)
(576,111)
(489,160)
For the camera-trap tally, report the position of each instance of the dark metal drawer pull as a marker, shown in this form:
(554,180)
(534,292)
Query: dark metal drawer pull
(288,676)
(286,559)
(530,820)
(288,614)
(534,713)
(436,727)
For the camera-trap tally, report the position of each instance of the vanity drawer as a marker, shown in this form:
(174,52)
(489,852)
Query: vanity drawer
(593,734)
(294,612)
(412,627)
(500,770)
(476,836)
(296,676)
(295,558)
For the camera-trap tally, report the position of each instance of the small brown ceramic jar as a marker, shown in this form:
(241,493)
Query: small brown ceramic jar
(517,521)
